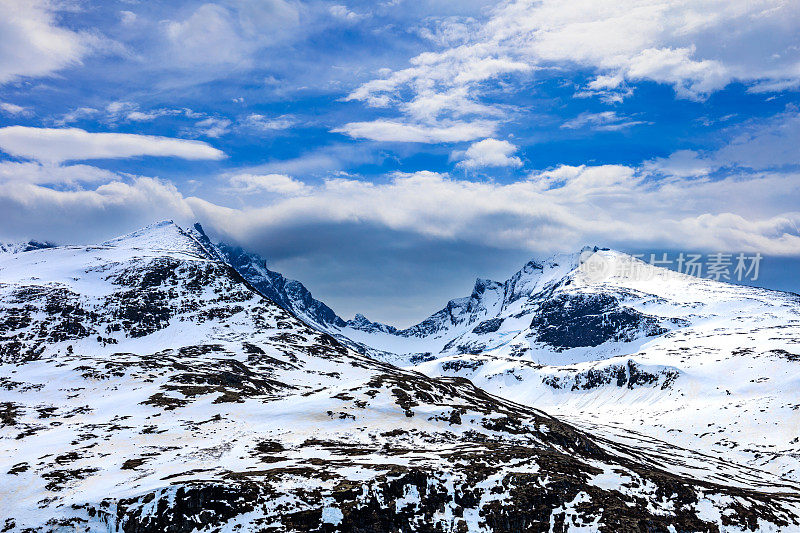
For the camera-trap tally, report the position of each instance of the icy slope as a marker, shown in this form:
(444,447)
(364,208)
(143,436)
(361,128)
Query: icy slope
(146,386)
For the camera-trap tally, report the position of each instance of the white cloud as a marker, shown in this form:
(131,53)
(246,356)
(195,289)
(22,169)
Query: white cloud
(449,31)
(488,153)
(603,121)
(321,161)
(208,36)
(273,183)
(13,109)
(213,127)
(393,131)
(682,164)
(695,46)
(119,109)
(229,35)
(441,83)
(31,42)
(127,18)
(87,215)
(691,78)
(76,115)
(138,116)
(38,173)
(55,145)
(341,12)
(262,122)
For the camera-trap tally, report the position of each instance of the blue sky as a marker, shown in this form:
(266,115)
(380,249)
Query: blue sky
(386,153)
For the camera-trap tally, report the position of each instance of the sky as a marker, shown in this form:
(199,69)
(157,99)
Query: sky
(386,153)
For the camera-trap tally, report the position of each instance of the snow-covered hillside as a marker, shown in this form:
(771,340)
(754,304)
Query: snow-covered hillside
(642,353)
(624,348)
(145,385)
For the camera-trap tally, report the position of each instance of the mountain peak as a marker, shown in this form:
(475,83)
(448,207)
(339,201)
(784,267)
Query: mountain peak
(482,284)
(362,323)
(163,236)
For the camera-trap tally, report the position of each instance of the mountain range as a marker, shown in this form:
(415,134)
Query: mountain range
(701,363)
(161,382)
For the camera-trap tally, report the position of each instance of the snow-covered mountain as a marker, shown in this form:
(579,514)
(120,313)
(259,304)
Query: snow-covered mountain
(635,350)
(526,315)
(474,324)
(638,350)
(640,354)
(145,385)
(290,294)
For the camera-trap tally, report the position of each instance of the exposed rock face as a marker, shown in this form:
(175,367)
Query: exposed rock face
(628,375)
(362,323)
(568,321)
(289,294)
(172,396)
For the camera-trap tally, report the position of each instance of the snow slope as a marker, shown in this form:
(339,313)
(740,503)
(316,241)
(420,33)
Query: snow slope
(146,386)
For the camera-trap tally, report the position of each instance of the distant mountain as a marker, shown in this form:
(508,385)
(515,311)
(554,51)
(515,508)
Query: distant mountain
(517,314)
(18,247)
(146,385)
(362,323)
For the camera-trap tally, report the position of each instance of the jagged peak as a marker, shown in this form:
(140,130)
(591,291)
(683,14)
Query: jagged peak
(362,323)
(482,285)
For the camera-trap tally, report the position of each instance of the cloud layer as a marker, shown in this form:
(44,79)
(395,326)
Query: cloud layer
(55,145)
(556,209)
(364,139)
(395,131)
